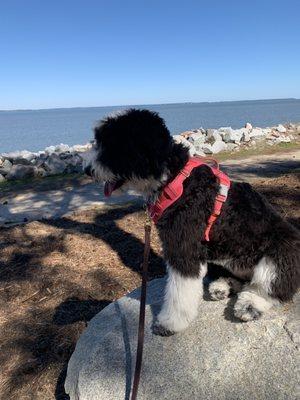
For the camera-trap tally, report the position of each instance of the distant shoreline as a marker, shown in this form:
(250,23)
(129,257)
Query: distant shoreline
(152,104)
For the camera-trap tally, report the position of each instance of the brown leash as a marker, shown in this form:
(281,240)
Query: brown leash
(141,331)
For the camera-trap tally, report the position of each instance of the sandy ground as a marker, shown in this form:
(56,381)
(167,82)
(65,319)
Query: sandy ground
(56,274)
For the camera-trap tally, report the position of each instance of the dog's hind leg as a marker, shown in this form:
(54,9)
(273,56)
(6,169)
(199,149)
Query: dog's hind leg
(255,298)
(181,301)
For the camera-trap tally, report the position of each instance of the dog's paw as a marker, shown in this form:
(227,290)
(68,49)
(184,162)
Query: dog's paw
(219,289)
(160,330)
(246,312)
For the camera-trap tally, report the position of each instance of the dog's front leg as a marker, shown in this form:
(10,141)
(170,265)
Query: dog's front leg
(183,292)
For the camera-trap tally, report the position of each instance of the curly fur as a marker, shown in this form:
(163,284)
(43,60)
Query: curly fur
(257,244)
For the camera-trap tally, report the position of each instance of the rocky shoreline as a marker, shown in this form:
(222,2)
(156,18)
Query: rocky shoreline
(206,142)
(63,159)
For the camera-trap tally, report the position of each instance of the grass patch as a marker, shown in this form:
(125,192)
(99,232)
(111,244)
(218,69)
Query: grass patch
(260,149)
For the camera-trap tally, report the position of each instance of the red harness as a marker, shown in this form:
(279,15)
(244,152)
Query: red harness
(174,190)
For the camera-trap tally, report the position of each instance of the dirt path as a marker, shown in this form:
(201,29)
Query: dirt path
(57,197)
(262,166)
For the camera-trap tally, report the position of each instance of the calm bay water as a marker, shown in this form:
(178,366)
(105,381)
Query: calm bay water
(36,129)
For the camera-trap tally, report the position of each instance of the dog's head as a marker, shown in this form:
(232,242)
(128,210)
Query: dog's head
(132,150)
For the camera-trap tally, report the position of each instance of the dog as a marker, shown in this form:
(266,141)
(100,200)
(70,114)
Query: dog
(134,150)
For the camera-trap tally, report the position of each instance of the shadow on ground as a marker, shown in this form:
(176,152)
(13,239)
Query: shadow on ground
(47,307)
(243,170)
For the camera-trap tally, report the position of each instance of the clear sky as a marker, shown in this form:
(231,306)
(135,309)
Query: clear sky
(95,52)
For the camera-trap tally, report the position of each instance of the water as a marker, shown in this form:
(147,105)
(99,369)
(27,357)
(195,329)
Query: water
(36,129)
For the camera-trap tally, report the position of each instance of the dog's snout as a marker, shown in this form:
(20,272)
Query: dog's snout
(88,170)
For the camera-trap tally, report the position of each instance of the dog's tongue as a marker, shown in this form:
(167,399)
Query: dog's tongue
(109,188)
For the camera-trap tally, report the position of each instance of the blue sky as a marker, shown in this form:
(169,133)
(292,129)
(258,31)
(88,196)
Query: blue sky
(95,53)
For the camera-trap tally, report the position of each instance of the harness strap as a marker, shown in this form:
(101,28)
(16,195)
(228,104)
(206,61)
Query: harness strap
(174,190)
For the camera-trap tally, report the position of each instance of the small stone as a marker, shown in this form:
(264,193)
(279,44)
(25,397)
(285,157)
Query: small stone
(2,179)
(280,128)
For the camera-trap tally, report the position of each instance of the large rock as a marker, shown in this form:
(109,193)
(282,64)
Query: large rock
(79,148)
(246,137)
(5,167)
(23,157)
(186,143)
(197,138)
(257,132)
(54,165)
(218,146)
(217,358)
(50,150)
(280,128)
(283,139)
(231,146)
(213,136)
(21,172)
(62,148)
(207,148)
(230,135)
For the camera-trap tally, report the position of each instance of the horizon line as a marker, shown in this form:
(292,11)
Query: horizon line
(148,104)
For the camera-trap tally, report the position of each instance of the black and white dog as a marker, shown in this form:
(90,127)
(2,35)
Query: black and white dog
(135,150)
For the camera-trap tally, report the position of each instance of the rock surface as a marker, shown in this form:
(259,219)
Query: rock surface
(217,358)
(21,171)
